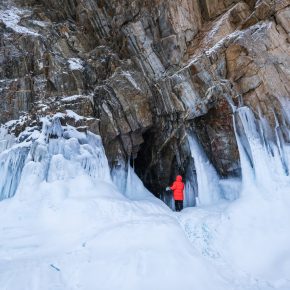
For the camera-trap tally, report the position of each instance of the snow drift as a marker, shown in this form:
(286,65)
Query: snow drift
(247,239)
(68,227)
(66,224)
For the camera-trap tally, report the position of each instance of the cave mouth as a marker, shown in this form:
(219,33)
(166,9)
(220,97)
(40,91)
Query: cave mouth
(158,168)
(145,162)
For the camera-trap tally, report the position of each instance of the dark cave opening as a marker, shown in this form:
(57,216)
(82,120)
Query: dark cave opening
(156,167)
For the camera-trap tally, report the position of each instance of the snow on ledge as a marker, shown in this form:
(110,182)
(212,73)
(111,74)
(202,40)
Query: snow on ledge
(71,114)
(11,17)
(75,64)
(73,98)
(42,24)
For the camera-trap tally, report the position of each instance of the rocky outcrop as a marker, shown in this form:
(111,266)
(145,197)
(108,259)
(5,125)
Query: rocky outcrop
(144,73)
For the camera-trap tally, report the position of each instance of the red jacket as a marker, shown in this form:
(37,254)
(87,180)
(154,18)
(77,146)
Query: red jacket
(178,187)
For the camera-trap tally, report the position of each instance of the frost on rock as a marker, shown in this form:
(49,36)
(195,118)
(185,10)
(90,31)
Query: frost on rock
(42,24)
(129,77)
(11,18)
(75,64)
(72,98)
(71,114)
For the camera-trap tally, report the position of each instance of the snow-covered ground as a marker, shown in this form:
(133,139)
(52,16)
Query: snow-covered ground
(247,240)
(69,226)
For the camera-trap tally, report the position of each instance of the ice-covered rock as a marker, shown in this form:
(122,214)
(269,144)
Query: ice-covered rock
(54,152)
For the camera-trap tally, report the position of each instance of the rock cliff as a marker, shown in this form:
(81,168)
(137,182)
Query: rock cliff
(144,73)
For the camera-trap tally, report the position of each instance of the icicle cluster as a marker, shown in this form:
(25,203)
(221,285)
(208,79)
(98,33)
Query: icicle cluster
(54,153)
(264,156)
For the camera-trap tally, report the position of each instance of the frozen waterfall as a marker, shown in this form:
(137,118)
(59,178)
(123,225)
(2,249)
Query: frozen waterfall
(61,153)
(129,184)
(209,191)
(264,154)
(68,215)
(54,153)
(264,158)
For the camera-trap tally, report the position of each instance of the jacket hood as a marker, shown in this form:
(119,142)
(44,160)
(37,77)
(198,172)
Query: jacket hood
(178,178)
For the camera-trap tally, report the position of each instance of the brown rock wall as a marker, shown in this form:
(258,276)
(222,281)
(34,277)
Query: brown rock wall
(146,72)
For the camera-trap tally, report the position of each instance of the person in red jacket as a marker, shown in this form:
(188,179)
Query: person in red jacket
(178,188)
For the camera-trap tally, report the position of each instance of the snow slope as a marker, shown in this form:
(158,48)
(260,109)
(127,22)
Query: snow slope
(96,238)
(68,227)
(247,239)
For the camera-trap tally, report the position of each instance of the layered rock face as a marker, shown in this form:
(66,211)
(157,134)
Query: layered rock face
(144,73)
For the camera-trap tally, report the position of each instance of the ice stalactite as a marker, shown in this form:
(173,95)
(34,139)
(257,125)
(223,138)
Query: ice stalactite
(6,139)
(12,160)
(119,176)
(209,191)
(263,151)
(189,196)
(128,183)
(191,187)
(55,153)
(63,153)
(264,158)
(11,166)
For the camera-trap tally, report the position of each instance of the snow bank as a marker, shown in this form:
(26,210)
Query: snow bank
(68,227)
(248,239)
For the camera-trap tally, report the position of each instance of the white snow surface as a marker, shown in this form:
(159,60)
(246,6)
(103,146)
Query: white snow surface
(72,114)
(75,64)
(73,98)
(247,239)
(11,18)
(68,226)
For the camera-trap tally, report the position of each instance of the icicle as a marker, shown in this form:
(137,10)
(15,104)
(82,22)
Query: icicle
(207,178)
(240,100)
(58,153)
(190,196)
(245,159)
(281,144)
(119,176)
(6,140)
(191,188)
(266,157)
(11,166)
(135,189)
(55,129)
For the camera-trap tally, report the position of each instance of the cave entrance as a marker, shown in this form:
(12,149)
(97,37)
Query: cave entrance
(158,165)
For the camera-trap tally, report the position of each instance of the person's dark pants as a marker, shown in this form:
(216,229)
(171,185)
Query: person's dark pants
(179,205)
